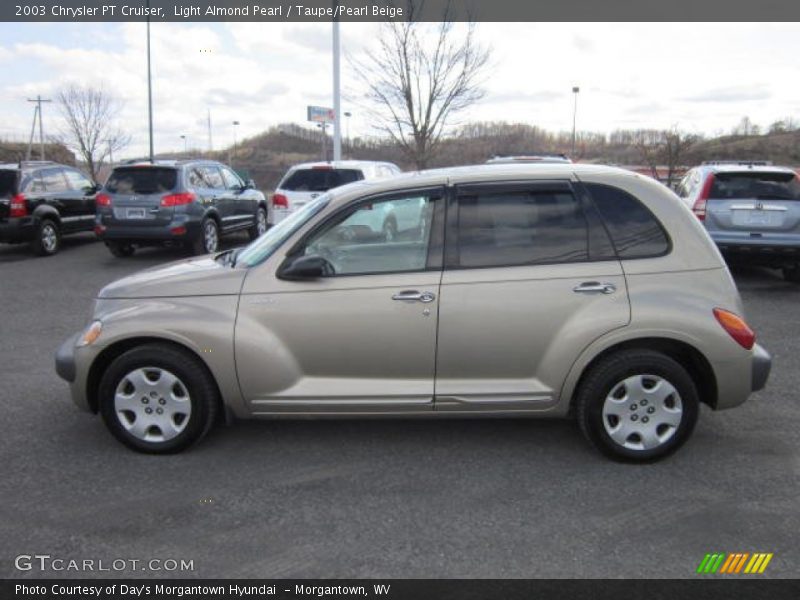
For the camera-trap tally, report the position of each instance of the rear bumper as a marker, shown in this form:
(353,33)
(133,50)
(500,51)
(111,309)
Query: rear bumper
(19,229)
(178,230)
(762,364)
(764,245)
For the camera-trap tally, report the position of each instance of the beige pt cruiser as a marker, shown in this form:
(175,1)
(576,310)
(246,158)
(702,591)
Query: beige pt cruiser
(552,290)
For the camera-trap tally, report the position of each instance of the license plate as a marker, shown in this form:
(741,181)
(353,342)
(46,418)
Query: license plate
(135,213)
(756,218)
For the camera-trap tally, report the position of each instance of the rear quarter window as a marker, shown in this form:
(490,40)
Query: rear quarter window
(142,180)
(635,231)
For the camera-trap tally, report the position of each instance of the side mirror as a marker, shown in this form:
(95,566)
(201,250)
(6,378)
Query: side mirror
(306,267)
(94,188)
(250,185)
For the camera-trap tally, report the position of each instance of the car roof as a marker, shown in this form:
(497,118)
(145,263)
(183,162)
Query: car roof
(503,172)
(342,164)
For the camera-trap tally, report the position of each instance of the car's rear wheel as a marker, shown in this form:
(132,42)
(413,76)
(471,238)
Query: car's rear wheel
(792,273)
(158,399)
(120,250)
(637,405)
(208,240)
(260,225)
(47,238)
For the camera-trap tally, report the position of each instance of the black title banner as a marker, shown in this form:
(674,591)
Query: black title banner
(381,10)
(399,589)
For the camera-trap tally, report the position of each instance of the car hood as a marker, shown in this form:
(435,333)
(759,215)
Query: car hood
(194,277)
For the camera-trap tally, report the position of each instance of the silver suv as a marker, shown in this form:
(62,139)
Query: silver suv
(551,290)
(751,209)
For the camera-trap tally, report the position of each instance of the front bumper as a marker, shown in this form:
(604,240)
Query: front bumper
(762,364)
(72,365)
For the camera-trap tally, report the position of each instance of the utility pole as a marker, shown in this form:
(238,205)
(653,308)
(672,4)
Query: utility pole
(210,140)
(39,101)
(33,131)
(149,85)
(337,99)
(575,91)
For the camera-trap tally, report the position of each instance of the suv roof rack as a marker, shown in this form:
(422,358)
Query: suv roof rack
(36,163)
(741,163)
(537,157)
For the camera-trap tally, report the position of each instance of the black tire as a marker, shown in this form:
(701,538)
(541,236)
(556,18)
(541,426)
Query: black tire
(202,245)
(47,238)
(260,224)
(608,375)
(120,250)
(201,388)
(792,274)
(389,230)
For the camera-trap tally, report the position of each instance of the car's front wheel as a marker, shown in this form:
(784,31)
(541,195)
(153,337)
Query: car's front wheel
(637,405)
(158,399)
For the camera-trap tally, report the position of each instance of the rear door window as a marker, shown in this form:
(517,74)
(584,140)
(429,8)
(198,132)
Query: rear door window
(77,180)
(752,184)
(212,177)
(320,179)
(635,231)
(509,228)
(142,180)
(54,180)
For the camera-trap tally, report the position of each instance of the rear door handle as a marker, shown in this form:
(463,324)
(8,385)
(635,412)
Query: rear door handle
(415,296)
(594,287)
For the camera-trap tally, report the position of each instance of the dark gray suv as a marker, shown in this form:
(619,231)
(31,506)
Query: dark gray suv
(184,202)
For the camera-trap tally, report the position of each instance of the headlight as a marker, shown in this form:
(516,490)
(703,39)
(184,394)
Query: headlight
(91,334)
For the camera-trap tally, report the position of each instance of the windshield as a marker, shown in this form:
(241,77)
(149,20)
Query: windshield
(762,186)
(142,180)
(319,179)
(261,249)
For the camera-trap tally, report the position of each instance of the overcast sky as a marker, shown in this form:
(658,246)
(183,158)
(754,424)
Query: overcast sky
(703,77)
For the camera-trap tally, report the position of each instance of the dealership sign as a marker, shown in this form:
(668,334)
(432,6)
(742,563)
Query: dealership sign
(321,114)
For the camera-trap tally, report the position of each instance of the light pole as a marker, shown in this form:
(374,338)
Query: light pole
(185,146)
(323,126)
(337,96)
(149,86)
(235,124)
(575,91)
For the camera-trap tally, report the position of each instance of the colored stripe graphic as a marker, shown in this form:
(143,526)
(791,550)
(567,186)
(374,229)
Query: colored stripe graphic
(734,562)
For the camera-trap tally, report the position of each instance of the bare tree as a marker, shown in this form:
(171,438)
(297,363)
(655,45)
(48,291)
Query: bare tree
(91,131)
(649,145)
(420,77)
(675,146)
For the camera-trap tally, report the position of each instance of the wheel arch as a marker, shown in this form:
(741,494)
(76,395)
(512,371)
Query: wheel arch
(684,353)
(45,211)
(118,348)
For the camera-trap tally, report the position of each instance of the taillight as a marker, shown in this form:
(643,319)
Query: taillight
(280,201)
(699,207)
(18,206)
(178,199)
(102,200)
(736,328)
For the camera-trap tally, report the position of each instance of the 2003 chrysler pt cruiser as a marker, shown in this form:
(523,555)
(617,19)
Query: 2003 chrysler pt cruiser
(515,290)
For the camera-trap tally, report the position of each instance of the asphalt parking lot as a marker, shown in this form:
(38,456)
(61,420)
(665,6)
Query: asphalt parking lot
(461,498)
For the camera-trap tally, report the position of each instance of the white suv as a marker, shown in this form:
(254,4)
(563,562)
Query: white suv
(302,183)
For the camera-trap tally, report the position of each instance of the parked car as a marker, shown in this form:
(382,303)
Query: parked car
(534,290)
(187,202)
(41,201)
(302,183)
(529,158)
(750,209)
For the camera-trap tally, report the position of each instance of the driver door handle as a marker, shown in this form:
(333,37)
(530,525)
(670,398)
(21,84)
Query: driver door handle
(415,296)
(594,287)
